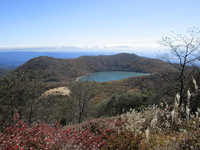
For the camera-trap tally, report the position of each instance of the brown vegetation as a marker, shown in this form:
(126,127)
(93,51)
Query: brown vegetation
(70,69)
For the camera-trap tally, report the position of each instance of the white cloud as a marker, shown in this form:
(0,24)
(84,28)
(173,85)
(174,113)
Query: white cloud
(148,45)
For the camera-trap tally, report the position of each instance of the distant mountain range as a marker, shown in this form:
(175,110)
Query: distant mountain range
(69,69)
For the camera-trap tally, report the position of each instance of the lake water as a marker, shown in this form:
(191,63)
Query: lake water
(110,76)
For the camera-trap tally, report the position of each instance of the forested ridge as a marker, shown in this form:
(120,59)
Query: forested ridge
(69,69)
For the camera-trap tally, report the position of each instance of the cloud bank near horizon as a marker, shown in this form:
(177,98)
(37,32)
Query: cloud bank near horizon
(150,46)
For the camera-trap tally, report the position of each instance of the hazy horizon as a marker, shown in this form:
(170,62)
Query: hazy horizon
(74,50)
(90,25)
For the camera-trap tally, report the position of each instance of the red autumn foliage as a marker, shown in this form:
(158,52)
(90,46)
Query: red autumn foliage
(40,135)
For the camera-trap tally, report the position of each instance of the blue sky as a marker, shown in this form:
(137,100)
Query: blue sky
(123,25)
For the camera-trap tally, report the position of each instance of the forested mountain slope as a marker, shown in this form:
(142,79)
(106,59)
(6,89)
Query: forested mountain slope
(69,69)
(4,71)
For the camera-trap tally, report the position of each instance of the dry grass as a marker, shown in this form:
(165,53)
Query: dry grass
(174,128)
(56,91)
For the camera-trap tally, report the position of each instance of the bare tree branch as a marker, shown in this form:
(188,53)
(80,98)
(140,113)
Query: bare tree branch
(185,50)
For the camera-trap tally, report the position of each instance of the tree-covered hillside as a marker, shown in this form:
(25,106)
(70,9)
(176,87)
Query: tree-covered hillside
(69,69)
(4,71)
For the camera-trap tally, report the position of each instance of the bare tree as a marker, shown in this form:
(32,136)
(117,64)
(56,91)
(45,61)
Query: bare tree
(83,93)
(184,51)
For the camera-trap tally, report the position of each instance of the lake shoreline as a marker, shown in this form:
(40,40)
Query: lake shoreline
(78,78)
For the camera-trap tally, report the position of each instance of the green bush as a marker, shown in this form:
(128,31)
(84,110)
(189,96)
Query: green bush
(125,102)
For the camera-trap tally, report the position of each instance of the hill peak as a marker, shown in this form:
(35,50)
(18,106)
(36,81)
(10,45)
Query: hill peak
(69,69)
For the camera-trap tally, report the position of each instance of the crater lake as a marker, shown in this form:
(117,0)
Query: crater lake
(110,76)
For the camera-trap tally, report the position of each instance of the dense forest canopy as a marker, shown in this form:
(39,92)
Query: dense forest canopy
(4,71)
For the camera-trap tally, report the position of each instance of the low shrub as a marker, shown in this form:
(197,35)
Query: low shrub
(38,136)
(125,140)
